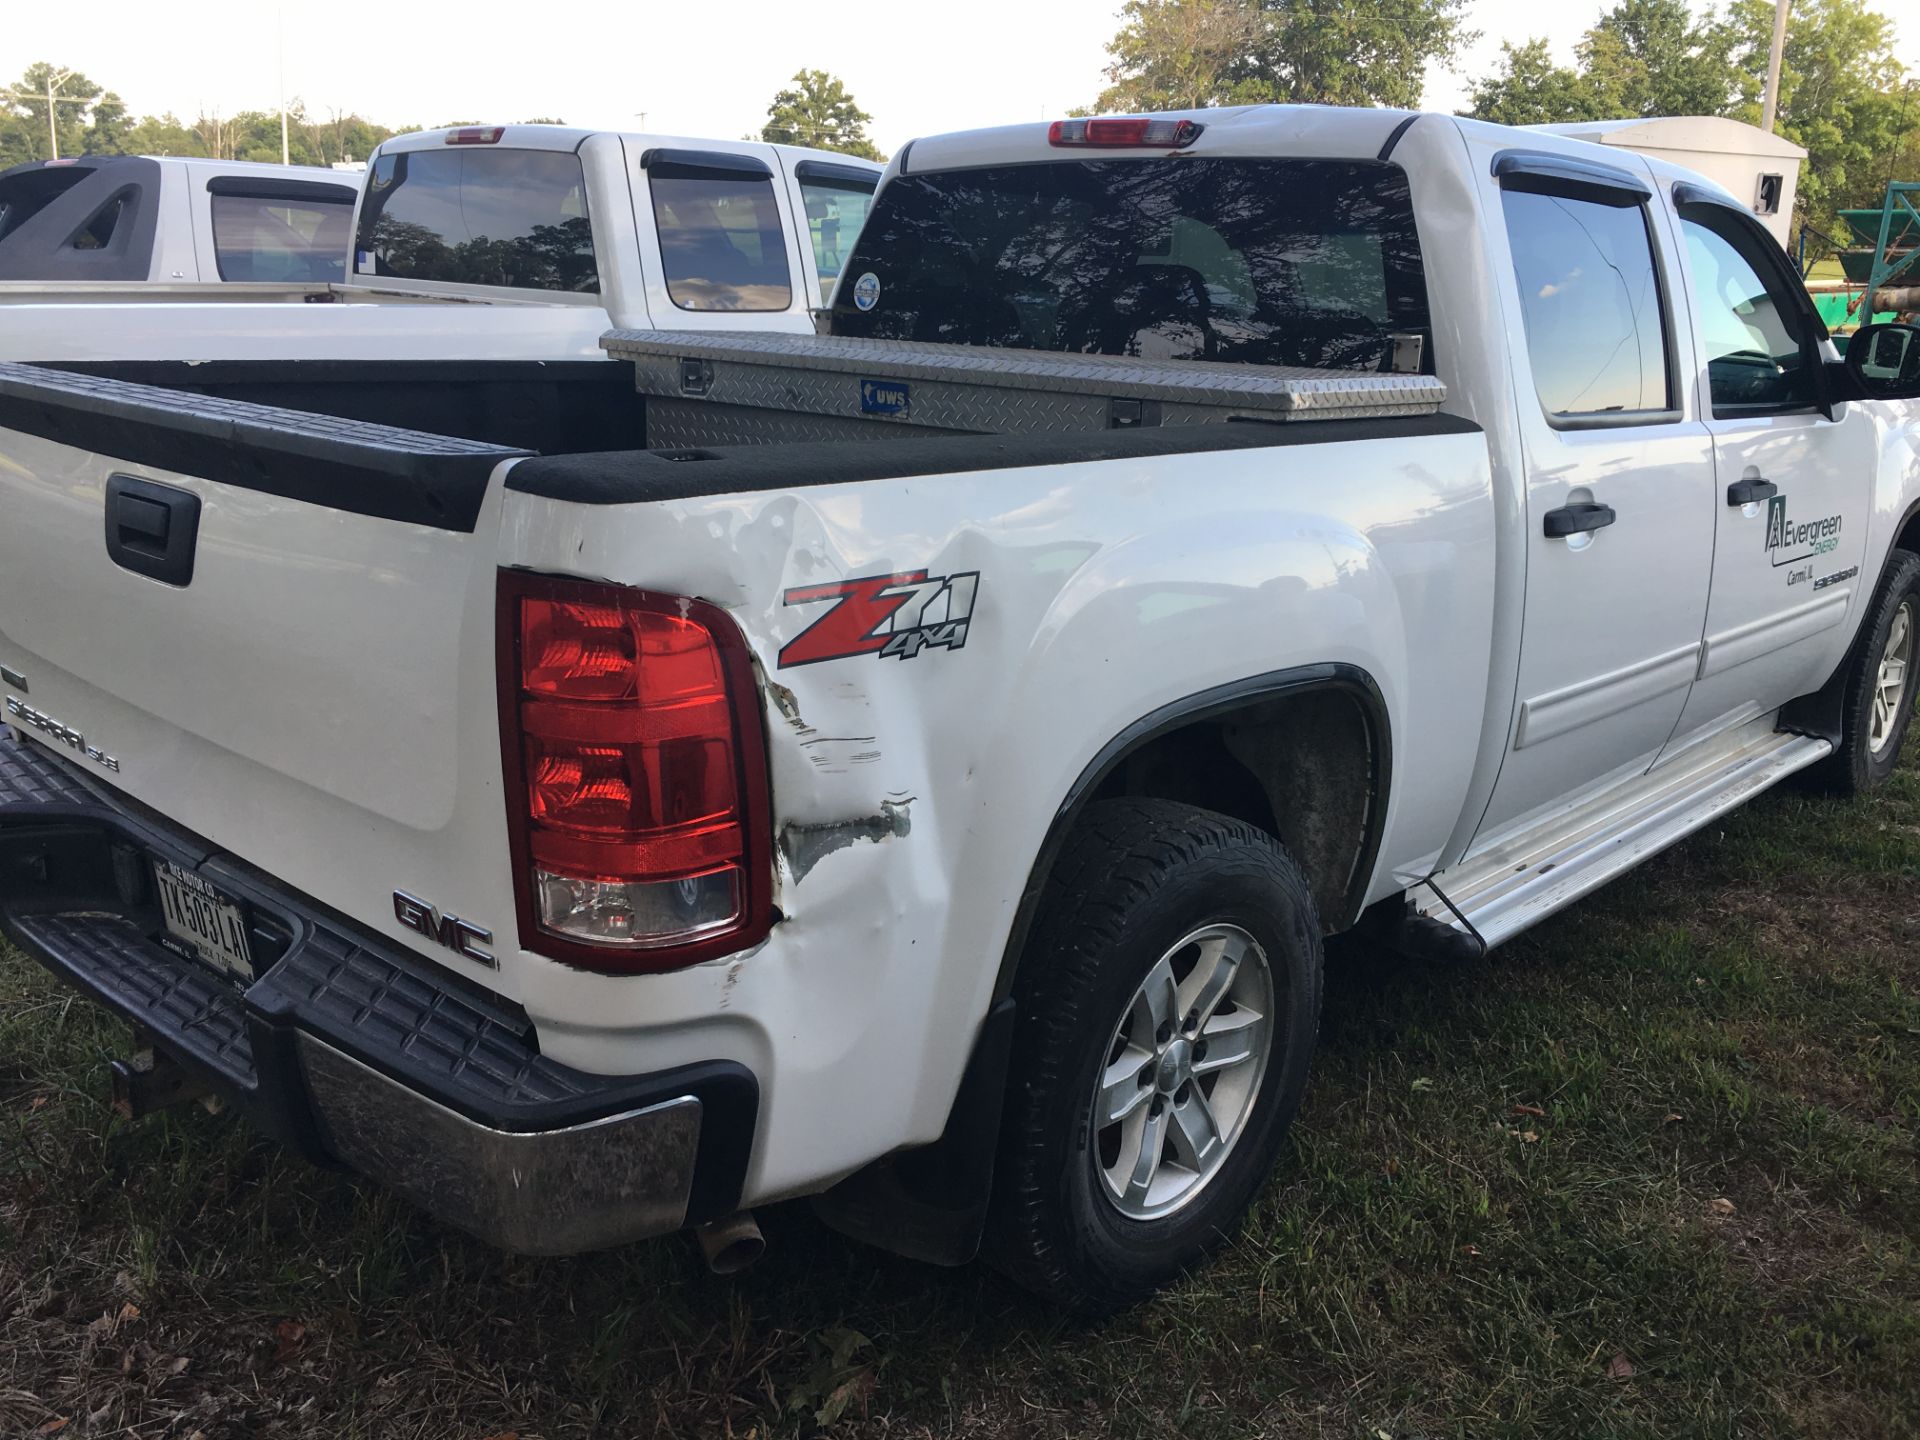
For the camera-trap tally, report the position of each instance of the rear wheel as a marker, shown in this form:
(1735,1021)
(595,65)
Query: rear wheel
(1169,1001)
(1880,684)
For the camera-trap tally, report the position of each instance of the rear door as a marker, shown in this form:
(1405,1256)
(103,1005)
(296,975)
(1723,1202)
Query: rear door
(1793,485)
(1619,480)
(830,203)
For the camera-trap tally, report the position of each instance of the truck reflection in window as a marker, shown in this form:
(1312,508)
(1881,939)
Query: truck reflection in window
(721,242)
(479,217)
(1297,262)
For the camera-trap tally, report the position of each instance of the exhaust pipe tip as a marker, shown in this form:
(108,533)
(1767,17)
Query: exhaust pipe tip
(730,1245)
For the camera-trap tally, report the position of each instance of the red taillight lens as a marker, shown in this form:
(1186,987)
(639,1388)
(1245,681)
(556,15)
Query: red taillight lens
(636,775)
(1133,132)
(476,135)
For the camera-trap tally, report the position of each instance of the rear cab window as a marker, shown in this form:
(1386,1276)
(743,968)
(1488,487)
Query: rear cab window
(476,215)
(26,190)
(837,199)
(723,245)
(270,230)
(1256,261)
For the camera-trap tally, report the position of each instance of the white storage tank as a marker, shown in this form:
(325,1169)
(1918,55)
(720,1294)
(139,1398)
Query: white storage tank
(1760,168)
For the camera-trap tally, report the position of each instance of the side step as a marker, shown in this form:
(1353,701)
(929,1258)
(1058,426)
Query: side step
(1519,883)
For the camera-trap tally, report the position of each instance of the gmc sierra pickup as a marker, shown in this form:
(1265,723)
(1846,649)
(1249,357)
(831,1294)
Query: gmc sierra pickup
(518,243)
(923,777)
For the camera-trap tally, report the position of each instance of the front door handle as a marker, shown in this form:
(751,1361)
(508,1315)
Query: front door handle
(1751,490)
(1578,519)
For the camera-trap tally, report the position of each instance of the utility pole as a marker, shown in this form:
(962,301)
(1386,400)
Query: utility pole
(1770,102)
(56,82)
(285,158)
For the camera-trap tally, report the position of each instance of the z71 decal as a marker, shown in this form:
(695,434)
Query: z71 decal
(892,616)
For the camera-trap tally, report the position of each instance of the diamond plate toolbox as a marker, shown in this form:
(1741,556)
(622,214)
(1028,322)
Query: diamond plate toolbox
(1003,392)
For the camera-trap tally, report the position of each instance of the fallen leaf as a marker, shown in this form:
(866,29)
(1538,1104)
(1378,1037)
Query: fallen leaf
(1721,1206)
(1533,1110)
(1529,1137)
(53,1426)
(1422,1083)
(1619,1368)
(39,1102)
(1470,1250)
(129,1311)
(179,1367)
(1672,1117)
(288,1336)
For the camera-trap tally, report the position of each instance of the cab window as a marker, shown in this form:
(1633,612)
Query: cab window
(722,244)
(836,213)
(1759,346)
(1591,301)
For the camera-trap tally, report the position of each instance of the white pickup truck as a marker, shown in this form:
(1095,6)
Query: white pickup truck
(117,220)
(519,243)
(923,776)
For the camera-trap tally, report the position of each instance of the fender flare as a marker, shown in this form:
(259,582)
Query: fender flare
(1211,704)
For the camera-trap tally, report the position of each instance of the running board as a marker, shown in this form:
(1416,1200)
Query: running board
(1519,883)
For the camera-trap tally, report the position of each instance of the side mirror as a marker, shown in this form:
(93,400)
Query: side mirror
(1883,362)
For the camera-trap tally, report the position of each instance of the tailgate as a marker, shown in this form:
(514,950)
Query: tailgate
(273,627)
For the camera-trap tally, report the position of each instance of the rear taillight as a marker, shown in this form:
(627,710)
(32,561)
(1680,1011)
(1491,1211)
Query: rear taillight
(1132,132)
(476,135)
(636,775)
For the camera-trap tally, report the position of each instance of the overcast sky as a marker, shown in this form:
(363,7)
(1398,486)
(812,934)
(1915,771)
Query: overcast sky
(706,68)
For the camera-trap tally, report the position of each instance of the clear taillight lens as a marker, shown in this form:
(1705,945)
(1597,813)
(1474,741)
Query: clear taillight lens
(636,775)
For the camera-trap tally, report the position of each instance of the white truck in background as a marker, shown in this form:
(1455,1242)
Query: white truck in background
(91,225)
(921,773)
(520,243)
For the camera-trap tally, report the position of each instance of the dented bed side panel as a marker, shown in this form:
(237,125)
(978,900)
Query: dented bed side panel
(941,658)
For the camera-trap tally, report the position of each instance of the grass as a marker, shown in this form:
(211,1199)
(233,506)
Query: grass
(1653,1169)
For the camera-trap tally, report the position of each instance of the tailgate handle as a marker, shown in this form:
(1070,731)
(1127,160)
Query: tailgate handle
(152,528)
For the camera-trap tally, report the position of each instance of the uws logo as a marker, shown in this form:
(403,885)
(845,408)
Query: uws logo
(1789,542)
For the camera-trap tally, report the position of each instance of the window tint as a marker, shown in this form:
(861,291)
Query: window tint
(29,189)
(475,215)
(1590,295)
(721,242)
(295,240)
(1270,262)
(835,215)
(97,233)
(1757,356)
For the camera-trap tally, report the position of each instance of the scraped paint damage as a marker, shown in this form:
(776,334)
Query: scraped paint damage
(805,846)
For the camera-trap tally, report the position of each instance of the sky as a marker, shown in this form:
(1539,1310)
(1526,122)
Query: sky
(703,69)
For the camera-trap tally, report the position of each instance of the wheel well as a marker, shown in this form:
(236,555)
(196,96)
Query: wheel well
(1909,537)
(1305,767)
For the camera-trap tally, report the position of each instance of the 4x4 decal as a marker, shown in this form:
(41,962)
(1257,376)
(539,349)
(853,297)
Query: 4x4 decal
(892,616)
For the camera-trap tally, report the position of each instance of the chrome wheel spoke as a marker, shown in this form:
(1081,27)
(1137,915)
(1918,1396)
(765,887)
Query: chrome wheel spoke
(1156,1005)
(1195,1135)
(1149,1141)
(1212,977)
(1231,1040)
(1121,1088)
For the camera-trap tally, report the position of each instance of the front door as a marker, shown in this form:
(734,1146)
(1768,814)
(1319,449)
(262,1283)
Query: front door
(1619,484)
(1795,487)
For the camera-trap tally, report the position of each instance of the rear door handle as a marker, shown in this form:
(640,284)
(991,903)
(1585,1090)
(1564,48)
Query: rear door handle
(1578,519)
(152,529)
(1751,490)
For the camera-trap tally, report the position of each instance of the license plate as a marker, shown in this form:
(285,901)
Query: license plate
(203,920)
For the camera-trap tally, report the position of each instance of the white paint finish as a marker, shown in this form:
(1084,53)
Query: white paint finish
(1546,717)
(1606,616)
(1105,591)
(1771,634)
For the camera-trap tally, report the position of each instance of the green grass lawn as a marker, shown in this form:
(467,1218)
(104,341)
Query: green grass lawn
(1650,1170)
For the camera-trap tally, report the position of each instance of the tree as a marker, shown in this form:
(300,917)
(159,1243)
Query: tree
(1182,54)
(1529,89)
(26,102)
(1641,58)
(1840,97)
(818,111)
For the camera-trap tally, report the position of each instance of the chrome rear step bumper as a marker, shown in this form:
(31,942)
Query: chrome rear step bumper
(357,1052)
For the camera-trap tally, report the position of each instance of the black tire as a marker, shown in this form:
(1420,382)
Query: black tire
(1855,767)
(1135,878)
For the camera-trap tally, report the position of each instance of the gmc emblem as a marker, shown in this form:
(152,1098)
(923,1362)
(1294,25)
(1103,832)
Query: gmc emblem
(457,935)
